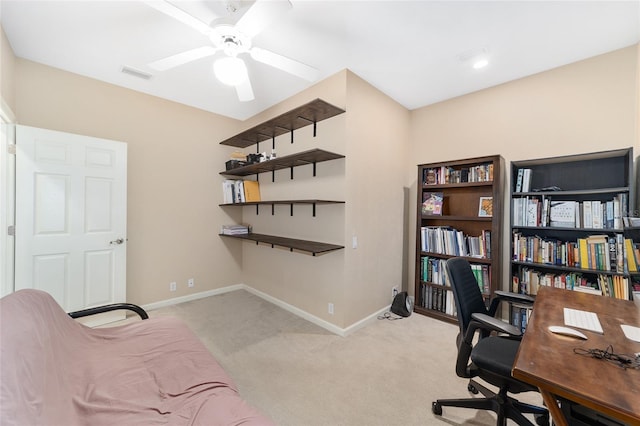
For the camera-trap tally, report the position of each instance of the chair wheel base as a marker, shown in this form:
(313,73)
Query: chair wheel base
(542,419)
(436,408)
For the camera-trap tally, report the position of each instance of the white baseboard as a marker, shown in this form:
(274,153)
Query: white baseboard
(190,297)
(284,305)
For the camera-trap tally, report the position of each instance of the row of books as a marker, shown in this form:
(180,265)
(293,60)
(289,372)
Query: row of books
(520,316)
(235,229)
(596,214)
(240,191)
(450,241)
(483,277)
(438,299)
(523,180)
(596,252)
(445,174)
(529,281)
(433,270)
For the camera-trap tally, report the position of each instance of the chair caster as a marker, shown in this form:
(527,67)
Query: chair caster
(542,419)
(472,389)
(436,408)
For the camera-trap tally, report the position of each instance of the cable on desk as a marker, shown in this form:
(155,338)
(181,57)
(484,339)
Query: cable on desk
(621,360)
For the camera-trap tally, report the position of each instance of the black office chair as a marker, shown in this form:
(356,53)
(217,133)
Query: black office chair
(491,358)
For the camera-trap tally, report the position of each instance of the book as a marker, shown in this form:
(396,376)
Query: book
(485,207)
(562,214)
(432,203)
(587,221)
(519,180)
(234,229)
(596,215)
(251,190)
(430,177)
(526,180)
(629,255)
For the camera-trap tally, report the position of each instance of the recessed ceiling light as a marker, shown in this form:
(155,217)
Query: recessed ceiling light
(476,58)
(480,63)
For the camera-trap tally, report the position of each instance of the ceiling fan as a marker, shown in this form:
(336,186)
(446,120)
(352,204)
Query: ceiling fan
(233,41)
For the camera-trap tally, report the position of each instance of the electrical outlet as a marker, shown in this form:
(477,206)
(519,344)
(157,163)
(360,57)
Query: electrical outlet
(394,291)
(191,282)
(173,286)
(330,309)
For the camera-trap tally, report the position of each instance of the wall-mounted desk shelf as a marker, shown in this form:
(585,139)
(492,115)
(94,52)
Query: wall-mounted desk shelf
(273,203)
(297,118)
(303,158)
(313,247)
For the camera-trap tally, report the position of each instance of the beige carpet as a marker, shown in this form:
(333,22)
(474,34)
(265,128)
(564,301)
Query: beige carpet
(299,374)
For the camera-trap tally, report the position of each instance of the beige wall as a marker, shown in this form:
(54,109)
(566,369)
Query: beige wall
(306,282)
(7,65)
(377,135)
(588,106)
(173,183)
(373,136)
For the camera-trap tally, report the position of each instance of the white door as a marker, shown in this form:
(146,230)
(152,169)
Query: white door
(71,206)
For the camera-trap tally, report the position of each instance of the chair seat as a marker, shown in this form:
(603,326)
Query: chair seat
(495,354)
(493,358)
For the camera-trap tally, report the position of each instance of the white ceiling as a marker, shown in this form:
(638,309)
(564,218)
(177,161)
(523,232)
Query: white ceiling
(409,50)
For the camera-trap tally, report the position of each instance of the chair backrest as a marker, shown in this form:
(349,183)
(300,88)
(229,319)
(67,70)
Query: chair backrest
(467,294)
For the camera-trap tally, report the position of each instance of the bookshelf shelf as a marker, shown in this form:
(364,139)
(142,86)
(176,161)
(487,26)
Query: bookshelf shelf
(460,185)
(297,118)
(315,248)
(597,191)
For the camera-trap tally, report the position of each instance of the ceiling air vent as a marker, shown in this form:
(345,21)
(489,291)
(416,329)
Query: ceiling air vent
(136,73)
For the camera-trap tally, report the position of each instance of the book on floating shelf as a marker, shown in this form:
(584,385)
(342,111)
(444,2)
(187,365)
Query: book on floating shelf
(240,191)
(235,229)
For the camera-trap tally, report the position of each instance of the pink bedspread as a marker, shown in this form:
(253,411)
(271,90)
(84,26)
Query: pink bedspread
(55,371)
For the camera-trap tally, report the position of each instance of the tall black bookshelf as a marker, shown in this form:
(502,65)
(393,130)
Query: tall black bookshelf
(567,225)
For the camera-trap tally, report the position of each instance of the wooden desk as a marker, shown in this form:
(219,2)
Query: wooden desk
(547,360)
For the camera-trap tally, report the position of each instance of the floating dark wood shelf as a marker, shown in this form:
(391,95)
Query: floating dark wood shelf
(297,118)
(304,158)
(289,202)
(273,203)
(313,247)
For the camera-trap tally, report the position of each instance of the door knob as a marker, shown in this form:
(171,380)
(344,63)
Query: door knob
(118,241)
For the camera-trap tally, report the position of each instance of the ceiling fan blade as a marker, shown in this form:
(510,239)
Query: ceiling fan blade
(183,58)
(245,91)
(260,15)
(175,12)
(285,64)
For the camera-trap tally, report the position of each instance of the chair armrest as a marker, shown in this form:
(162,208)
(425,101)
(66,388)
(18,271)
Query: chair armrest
(514,297)
(108,308)
(489,323)
(507,296)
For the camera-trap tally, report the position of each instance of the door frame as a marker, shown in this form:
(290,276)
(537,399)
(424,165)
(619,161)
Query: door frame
(7,199)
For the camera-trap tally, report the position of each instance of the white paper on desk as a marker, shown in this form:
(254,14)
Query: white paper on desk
(631,332)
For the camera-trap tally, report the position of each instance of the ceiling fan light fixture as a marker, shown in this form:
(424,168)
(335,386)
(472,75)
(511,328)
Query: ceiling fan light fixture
(230,70)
